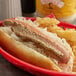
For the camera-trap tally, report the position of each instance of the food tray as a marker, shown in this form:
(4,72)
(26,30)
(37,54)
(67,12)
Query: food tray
(31,68)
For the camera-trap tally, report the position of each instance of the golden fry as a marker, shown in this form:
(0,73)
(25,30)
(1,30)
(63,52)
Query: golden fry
(46,22)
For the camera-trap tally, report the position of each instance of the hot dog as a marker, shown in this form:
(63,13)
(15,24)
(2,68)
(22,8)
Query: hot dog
(36,46)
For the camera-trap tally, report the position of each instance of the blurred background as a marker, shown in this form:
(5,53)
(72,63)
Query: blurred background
(15,8)
(64,10)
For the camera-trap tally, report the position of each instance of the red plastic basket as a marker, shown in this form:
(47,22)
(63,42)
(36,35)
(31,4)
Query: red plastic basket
(31,68)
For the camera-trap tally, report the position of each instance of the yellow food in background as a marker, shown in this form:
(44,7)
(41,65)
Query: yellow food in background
(68,9)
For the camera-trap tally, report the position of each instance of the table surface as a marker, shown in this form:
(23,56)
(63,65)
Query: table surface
(8,69)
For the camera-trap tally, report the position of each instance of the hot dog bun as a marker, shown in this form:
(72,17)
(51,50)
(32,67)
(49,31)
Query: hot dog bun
(36,46)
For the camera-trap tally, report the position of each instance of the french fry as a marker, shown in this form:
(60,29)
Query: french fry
(46,22)
(51,25)
(69,35)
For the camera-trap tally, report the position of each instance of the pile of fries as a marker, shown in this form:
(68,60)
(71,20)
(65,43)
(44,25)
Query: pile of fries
(69,34)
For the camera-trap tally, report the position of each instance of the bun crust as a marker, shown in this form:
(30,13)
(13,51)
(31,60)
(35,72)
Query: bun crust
(21,51)
(32,56)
